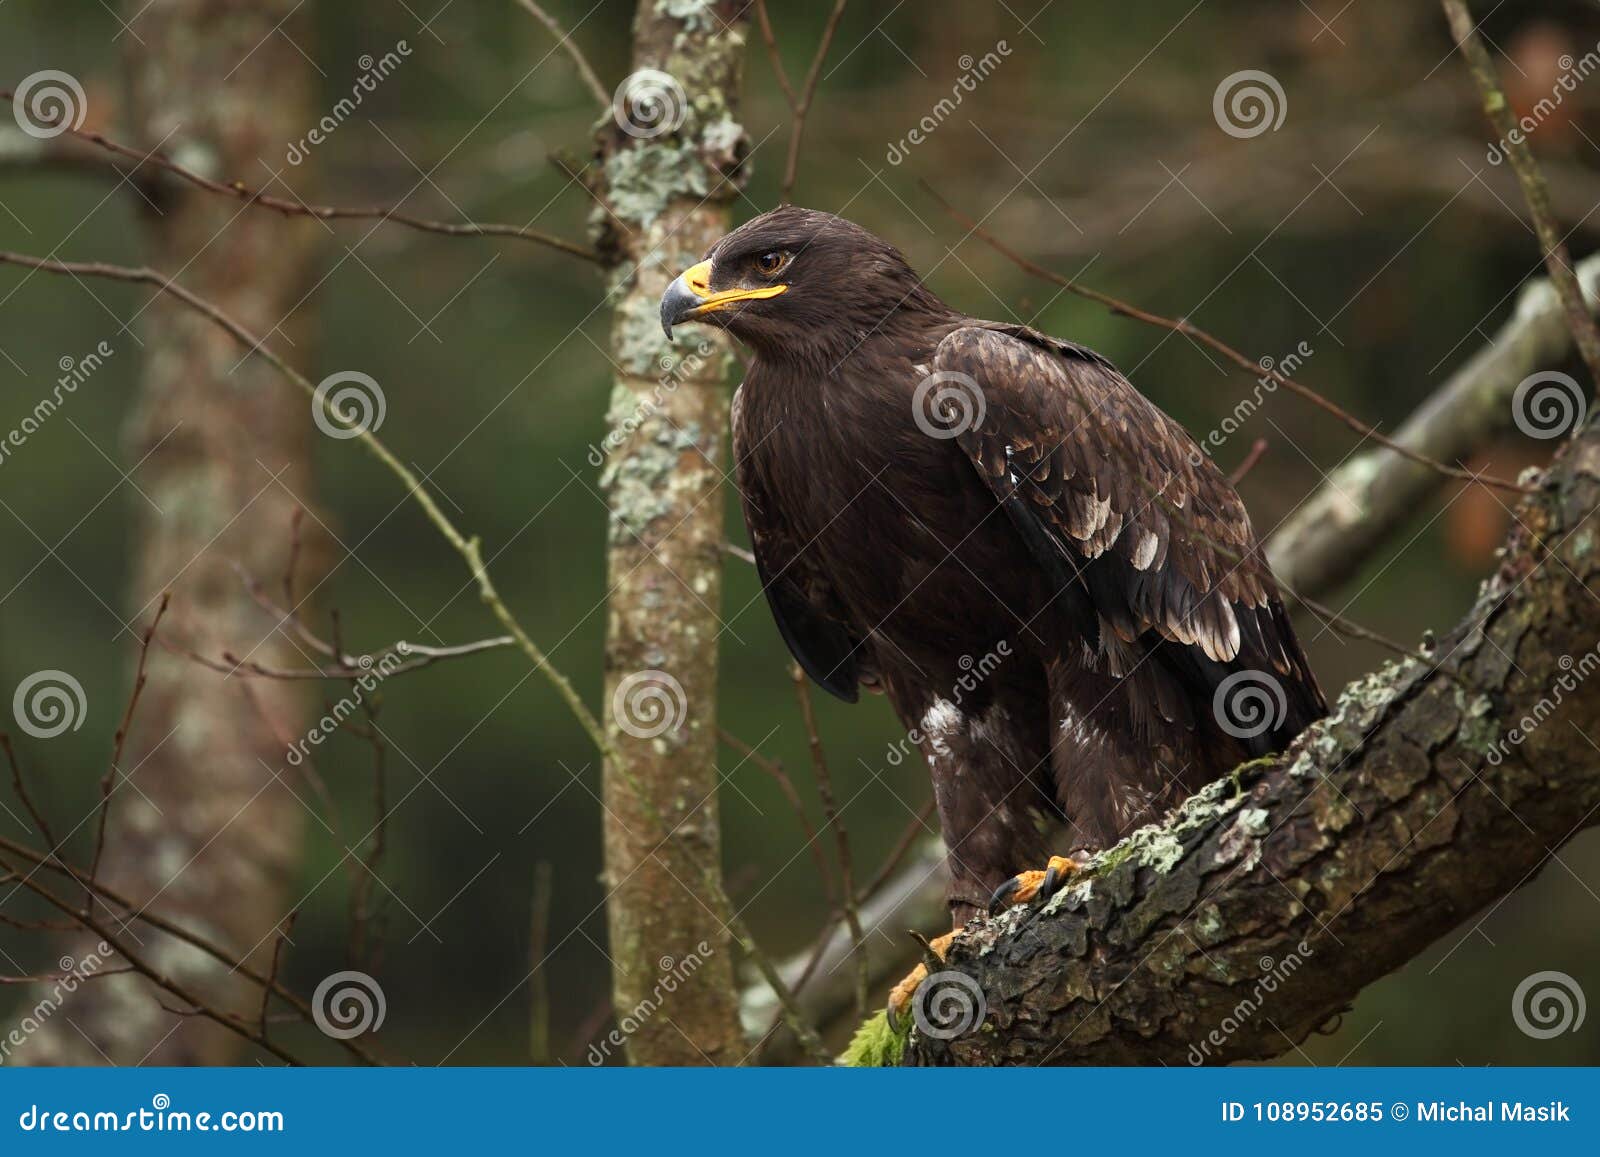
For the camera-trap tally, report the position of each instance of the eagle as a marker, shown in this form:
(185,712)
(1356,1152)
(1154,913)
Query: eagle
(1058,592)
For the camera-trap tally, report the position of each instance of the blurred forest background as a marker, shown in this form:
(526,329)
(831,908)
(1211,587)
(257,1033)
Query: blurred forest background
(1370,228)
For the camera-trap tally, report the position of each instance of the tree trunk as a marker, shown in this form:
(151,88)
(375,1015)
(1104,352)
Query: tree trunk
(1272,897)
(670,157)
(202,828)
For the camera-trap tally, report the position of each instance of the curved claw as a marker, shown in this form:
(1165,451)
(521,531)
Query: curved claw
(1035,885)
(891,1017)
(1001,899)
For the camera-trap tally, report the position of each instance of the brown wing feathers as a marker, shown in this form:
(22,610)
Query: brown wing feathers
(1105,489)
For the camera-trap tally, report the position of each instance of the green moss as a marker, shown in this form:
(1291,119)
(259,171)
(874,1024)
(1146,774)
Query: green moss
(875,1045)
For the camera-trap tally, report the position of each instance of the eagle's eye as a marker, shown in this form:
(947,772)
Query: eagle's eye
(771,263)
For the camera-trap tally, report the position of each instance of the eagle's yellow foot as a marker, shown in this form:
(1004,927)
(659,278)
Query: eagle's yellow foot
(902,994)
(1027,886)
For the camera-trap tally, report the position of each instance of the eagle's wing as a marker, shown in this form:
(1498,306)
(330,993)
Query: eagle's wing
(1115,500)
(819,641)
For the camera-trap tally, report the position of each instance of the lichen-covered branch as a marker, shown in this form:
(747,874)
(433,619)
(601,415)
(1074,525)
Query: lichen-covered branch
(1273,897)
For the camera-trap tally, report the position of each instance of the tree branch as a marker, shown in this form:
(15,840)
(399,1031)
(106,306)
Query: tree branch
(1534,189)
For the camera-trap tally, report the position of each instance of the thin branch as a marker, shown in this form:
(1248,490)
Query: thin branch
(799,102)
(1190,330)
(141,913)
(297,208)
(786,785)
(107,782)
(565,42)
(272,973)
(1534,188)
(153,973)
(835,819)
(1258,450)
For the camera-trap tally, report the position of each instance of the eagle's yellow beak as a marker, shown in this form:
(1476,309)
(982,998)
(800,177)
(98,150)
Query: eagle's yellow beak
(690,296)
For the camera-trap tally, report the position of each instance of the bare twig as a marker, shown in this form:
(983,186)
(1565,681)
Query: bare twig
(799,101)
(1534,188)
(297,208)
(1257,450)
(565,42)
(786,785)
(107,781)
(835,819)
(538,975)
(1189,329)
(178,931)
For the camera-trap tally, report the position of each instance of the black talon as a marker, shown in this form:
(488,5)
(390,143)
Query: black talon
(894,1021)
(1052,880)
(1001,900)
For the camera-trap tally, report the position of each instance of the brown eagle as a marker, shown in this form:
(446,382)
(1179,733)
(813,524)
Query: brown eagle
(1059,593)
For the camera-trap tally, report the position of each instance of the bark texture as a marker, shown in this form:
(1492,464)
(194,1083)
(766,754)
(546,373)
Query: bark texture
(1431,791)
(202,829)
(670,155)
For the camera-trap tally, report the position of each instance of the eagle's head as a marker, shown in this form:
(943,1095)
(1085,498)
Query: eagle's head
(797,280)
